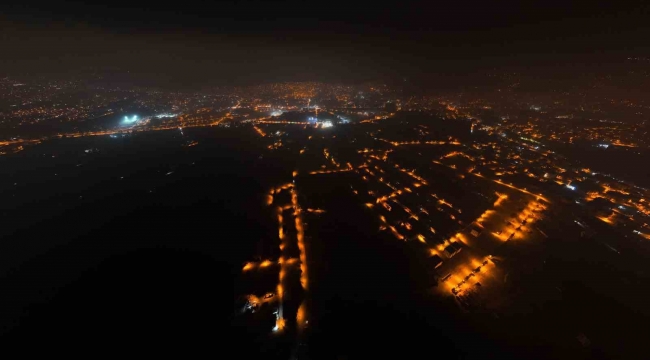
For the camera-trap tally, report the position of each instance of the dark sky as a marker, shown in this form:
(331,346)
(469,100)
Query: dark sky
(186,43)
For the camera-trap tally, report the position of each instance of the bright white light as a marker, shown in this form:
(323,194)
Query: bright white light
(165,115)
(131,120)
(327,124)
(571,187)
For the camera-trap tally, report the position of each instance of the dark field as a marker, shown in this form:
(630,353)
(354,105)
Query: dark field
(141,241)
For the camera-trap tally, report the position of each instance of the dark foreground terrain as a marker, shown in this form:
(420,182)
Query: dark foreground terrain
(138,245)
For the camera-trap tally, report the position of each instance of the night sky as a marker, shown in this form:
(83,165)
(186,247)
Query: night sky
(191,43)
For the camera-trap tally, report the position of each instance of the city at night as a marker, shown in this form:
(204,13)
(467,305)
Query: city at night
(336,180)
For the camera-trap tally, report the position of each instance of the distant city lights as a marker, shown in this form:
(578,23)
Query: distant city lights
(135,120)
(327,124)
(165,115)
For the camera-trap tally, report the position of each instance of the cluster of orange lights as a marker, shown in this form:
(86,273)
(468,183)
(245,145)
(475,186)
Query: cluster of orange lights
(400,143)
(329,157)
(473,272)
(284,263)
(538,196)
(593,195)
(329,171)
(611,219)
(459,237)
(501,199)
(619,143)
(457,153)
(282,122)
(607,189)
(522,221)
(259,131)
(392,229)
(484,216)
(412,174)
(639,205)
(267,263)
(316,211)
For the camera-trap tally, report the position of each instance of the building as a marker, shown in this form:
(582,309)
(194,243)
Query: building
(452,249)
(475,230)
(435,261)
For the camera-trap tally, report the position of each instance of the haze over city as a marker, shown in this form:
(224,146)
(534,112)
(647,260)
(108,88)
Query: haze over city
(300,180)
